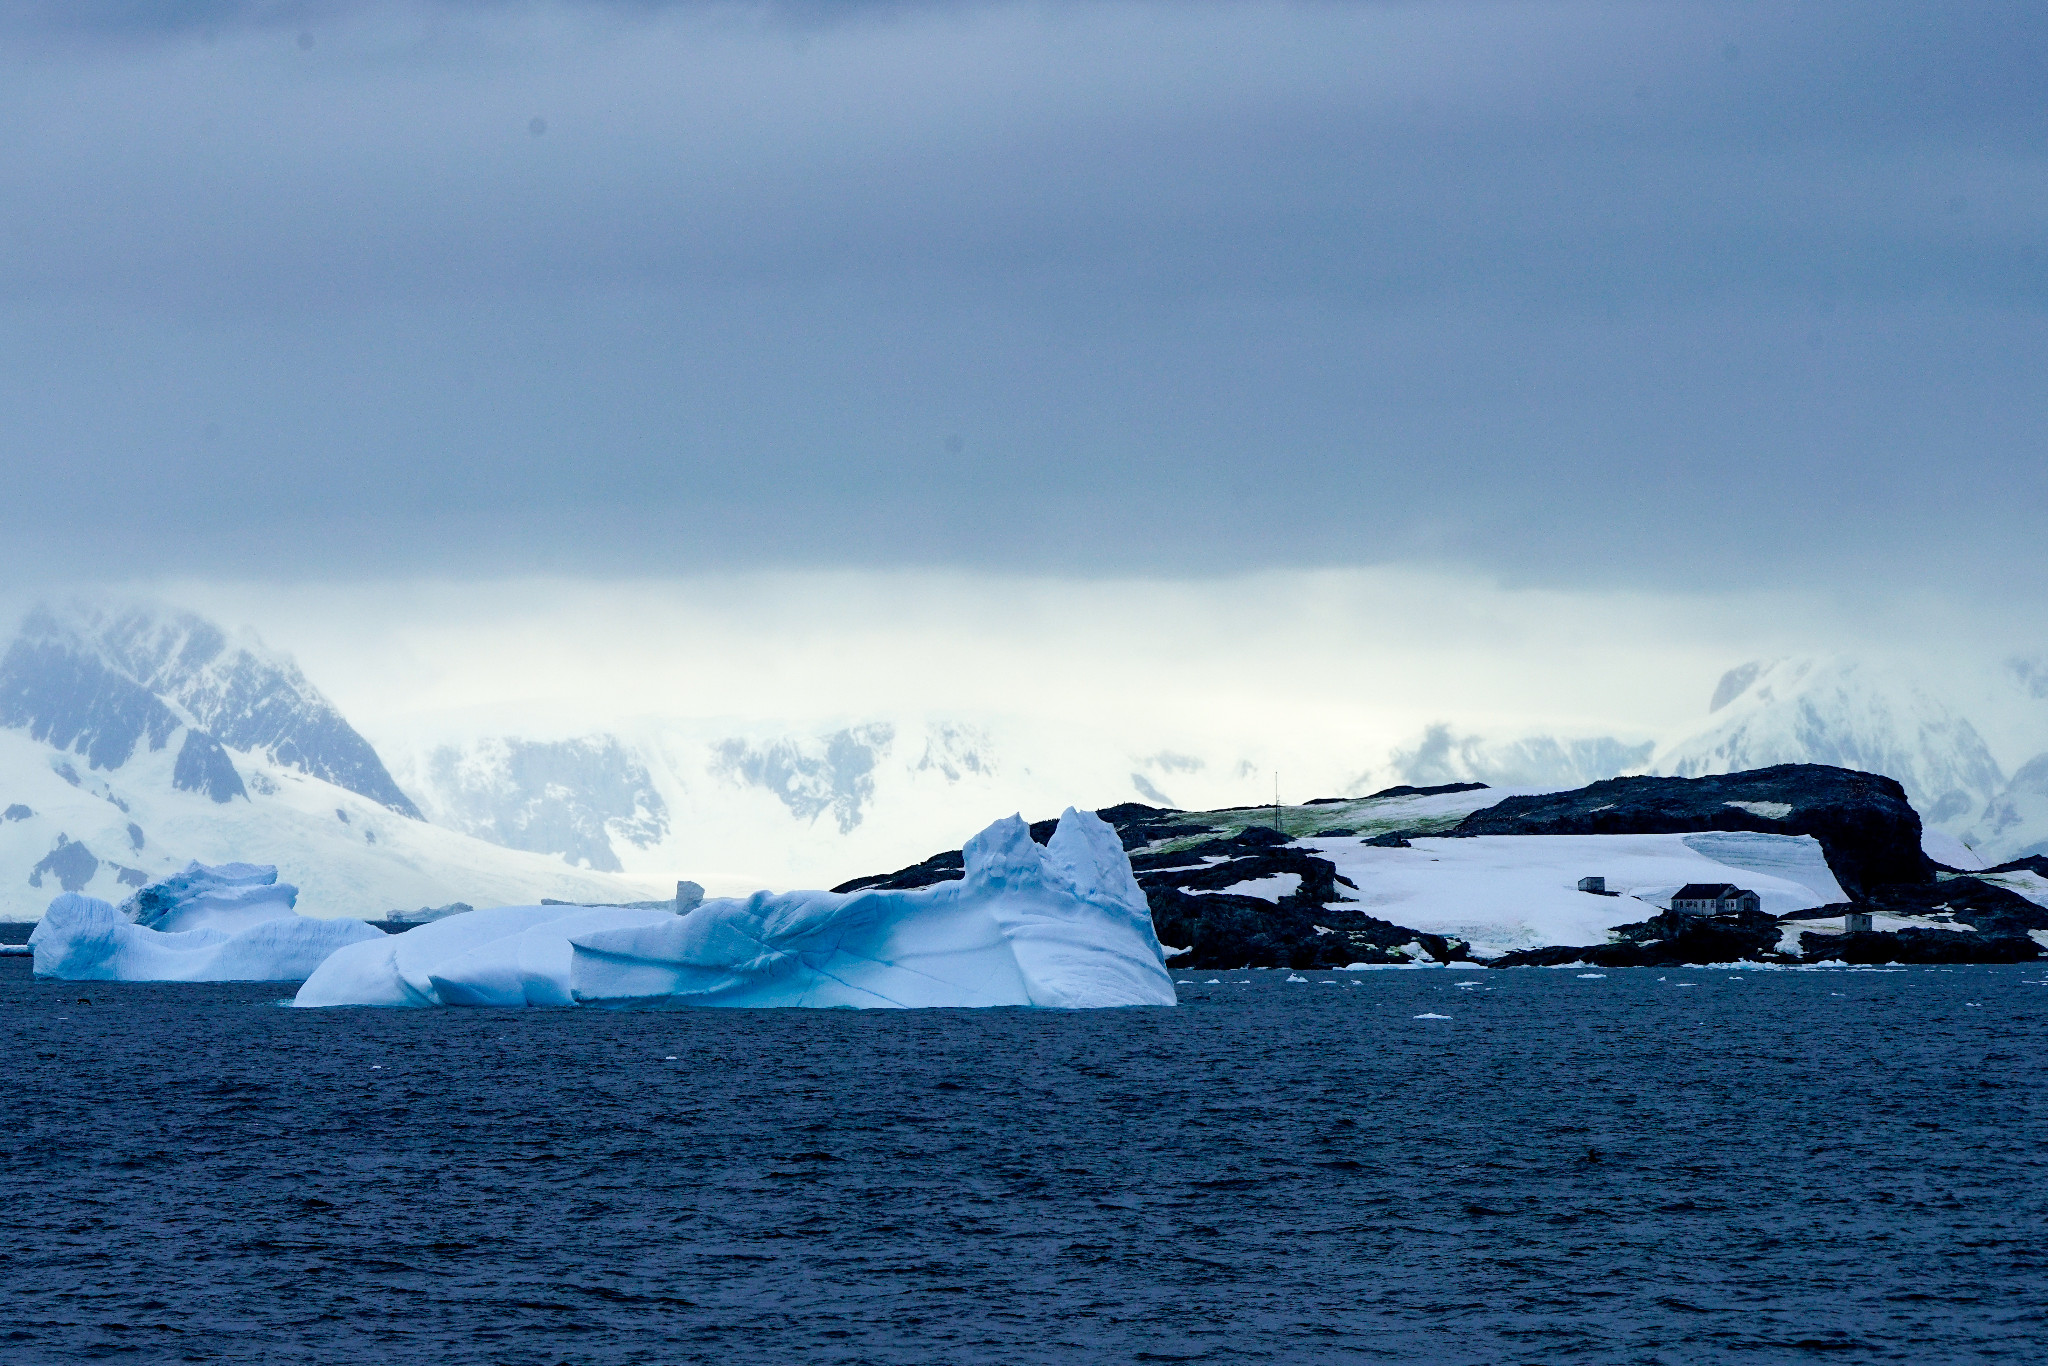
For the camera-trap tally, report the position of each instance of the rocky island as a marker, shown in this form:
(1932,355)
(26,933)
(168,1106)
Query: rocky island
(1463,873)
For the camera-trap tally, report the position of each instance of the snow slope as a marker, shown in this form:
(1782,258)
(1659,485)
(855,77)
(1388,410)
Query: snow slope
(135,739)
(65,827)
(1505,892)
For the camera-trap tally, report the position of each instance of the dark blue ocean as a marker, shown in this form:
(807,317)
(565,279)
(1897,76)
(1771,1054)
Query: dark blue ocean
(1649,1166)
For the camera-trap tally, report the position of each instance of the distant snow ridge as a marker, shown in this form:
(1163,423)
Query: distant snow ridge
(1846,713)
(102,682)
(567,797)
(2015,824)
(135,739)
(1442,756)
(1062,925)
(834,773)
(228,923)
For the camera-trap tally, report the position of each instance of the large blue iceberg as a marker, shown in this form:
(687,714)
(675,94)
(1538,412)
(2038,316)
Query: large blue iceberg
(1063,925)
(232,922)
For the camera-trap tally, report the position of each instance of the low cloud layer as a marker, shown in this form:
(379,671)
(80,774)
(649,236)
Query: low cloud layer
(1660,295)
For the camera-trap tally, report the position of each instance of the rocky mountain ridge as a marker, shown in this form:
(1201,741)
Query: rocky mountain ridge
(134,739)
(101,681)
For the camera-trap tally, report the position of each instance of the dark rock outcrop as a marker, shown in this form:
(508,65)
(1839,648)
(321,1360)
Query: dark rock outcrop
(71,863)
(1918,946)
(1985,907)
(72,702)
(203,766)
(1192,908)
(947,867)
(1404,790)
(1868,830)
(1672,939)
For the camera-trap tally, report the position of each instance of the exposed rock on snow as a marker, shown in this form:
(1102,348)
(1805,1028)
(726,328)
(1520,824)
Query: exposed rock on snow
(1059,925)
(1503,894)
(1871,834)
(103,682)
(2015,823)
(834,773)
(1380,880)
(118,721)
(573,797)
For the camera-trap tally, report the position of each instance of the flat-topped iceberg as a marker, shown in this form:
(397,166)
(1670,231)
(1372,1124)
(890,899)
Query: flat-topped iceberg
(1063,925)
(234,922)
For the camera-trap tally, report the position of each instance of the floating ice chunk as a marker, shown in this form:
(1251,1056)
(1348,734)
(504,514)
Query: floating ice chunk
(1062,925)
(223,896)
(1592,977)
(81,938)
(1430,1015)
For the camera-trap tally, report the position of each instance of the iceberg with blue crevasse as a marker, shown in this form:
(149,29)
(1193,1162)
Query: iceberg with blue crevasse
(231,922)
(1064,924)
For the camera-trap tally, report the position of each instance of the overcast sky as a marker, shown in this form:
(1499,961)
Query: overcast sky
(1582,295)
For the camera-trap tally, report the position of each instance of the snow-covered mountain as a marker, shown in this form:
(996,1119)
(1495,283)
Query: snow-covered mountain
(1949,737)
(134,739)
(1548,761)
(581,799)
(1940,735)
(736,803)
(1849,713)
(102,680)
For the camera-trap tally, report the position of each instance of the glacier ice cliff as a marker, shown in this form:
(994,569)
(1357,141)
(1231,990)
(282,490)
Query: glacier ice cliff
(1061,925)
(234,922)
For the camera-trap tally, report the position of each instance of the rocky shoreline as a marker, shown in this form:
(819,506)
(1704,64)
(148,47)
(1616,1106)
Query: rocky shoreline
(1236,888)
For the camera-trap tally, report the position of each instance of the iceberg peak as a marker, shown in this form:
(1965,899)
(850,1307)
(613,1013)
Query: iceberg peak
(1061,925)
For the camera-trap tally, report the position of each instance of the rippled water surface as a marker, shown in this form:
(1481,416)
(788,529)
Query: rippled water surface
(1641,1167)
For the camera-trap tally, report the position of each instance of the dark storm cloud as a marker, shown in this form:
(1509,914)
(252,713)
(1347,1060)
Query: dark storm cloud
(1642,293)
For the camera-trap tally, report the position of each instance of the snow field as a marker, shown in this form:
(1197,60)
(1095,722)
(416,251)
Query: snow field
(1499,893)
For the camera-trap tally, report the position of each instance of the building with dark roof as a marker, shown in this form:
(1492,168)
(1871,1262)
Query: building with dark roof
(1715,898)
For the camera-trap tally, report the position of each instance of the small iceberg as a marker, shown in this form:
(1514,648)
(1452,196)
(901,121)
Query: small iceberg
(234,922)
(1063,925)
